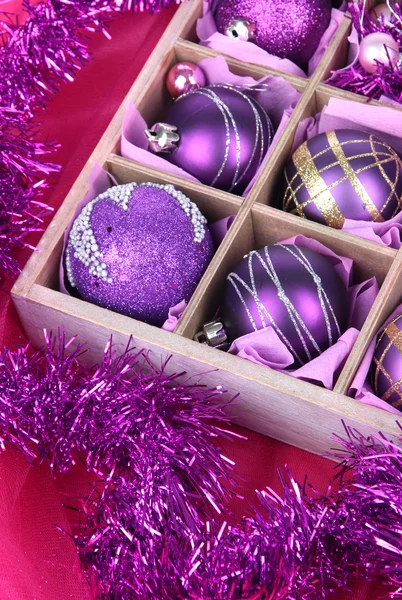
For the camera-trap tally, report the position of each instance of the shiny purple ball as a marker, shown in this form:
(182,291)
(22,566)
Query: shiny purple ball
(344,174)
(293,289)
(286,28)
(138,249)
(224,136)
(386,369)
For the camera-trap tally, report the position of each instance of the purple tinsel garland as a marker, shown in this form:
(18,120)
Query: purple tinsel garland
(387,79)
(22,178)
(155,524)
(149,438)
(36,57)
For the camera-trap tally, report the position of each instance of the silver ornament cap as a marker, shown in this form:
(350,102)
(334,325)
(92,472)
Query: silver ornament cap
(241,29)
(212,333)
(162,137)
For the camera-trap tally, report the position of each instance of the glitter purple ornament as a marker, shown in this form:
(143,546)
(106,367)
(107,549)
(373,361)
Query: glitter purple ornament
(138,250)
(292,289)
(218,134)
(344,174)
(286,28)
(386,371)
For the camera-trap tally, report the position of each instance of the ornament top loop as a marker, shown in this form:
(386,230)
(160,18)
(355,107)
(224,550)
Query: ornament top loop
(241,29)
(162,137)
(212,333)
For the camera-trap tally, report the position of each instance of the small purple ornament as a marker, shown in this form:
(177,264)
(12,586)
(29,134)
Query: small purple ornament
(184,77)
(286,28)
(295,290)
(138,249)
(386,370)
(344,174)
(219,134)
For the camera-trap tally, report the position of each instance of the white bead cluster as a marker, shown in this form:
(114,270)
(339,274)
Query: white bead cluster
(83,245)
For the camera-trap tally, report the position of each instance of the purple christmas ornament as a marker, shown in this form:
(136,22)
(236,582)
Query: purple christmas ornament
(344,174)
(294,290)
(286,28)
(138,250)
(386,370)
(219,134)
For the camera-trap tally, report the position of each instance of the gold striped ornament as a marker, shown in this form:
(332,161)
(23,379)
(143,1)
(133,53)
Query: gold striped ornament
(344,174)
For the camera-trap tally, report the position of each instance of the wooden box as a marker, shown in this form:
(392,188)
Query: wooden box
(270,402)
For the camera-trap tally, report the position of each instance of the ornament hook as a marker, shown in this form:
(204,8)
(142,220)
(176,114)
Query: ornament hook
(241,29)
(162,137)
(213,334)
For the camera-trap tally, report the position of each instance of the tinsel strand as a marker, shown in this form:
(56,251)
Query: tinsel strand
(149,437)
(387,79)
(155,523)
(36,57)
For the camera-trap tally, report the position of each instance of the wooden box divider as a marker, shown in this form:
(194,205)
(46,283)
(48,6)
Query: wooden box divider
(189,51)
(155,87)
(261,226)
(337,51)
(214,204)
(270,402)
(324,92)
(389,297)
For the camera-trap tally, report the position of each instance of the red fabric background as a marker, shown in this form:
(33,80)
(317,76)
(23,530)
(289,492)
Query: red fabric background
(36,561)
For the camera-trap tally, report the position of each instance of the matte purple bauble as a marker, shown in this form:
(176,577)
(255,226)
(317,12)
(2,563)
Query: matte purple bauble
(386,370)
(378,47)
(224,135)
(184,77)
(138,250)
(344,174)
(286,28)
(295,290)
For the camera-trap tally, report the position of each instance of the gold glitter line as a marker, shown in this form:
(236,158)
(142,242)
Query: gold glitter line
(394,334)
(290,195)
(380,366)
(397,403)
(392,386)
(335,163)
(317,188)
(352,177)
(393,155)
(336,183)
(395,388)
